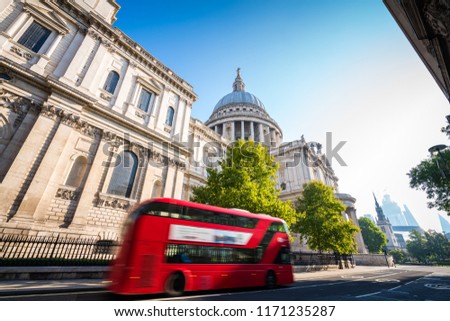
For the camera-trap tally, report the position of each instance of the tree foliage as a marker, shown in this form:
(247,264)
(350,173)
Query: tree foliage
(245,179)
(438,247)
(430,247)
(416,246)
(372,235)
(398,255)
(321,222)
(433,176)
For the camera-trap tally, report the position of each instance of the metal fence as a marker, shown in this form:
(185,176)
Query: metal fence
(20,250)
(309,259)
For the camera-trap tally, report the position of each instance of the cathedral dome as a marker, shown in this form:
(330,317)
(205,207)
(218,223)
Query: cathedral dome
(241,115)
(239,98)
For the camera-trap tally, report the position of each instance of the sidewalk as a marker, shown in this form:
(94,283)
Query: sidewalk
(16,287)
(334,272)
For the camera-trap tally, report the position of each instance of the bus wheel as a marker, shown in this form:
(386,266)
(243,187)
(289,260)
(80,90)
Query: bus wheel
(175,284)
(271,280)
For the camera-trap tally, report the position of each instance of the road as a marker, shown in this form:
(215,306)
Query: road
(404,283)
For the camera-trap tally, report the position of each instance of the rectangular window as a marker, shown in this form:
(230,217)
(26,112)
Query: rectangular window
(199,215)
(197,254)
(144,100)
(34,37)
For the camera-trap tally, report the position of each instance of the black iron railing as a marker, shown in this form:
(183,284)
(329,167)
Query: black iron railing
(312,258)
(20,250)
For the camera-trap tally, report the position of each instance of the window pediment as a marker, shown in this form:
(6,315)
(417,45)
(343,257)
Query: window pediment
(47,17)
(149,84)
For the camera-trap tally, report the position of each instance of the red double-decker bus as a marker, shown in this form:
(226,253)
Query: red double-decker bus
(174,246)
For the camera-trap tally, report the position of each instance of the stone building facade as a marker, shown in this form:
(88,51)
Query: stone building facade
(91,123)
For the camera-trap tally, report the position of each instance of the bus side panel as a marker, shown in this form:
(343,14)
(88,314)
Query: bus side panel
(284,274)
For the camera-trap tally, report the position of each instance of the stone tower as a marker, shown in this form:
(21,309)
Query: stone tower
(386,227)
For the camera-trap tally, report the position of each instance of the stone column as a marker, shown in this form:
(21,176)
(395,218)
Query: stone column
(261,133)
(79,58)
(242,130)
(10,152)
(155,115)
(91,79)
(123,89)
(186,120)
(267,136)
(17,24)
(17,174)
(178,183)
(233,131)
(150,179)
(70,53)
(53,46)
(169,181)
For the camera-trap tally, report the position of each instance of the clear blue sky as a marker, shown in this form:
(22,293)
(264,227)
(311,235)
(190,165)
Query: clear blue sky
(342,67)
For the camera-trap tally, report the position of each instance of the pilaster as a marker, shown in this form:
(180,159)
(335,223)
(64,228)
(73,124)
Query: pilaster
(91,187)
(20,199)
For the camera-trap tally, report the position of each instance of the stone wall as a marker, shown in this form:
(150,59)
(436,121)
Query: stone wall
(373,260)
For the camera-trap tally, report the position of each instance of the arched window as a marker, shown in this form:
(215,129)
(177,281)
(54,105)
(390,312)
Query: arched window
(77,172)
(111,82)
(157,189)
(169,117)
(123,175)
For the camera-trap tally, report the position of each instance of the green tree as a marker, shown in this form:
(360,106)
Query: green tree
(321,222)
(398,255)
(433,177)
(372,235)
(245,179)
(438,247)
(416,246)
(430,247)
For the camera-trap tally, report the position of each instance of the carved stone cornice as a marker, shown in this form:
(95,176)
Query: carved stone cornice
(137,148)
(67,193)
(86,129)
(437,15)
(113,139)
(108,45)
(94,34)
(52,112)
(17,104)
(71,120)
(111,201)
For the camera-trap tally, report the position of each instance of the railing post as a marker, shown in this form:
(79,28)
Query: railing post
(54,246)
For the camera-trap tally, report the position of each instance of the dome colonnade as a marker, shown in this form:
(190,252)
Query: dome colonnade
(241,115)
